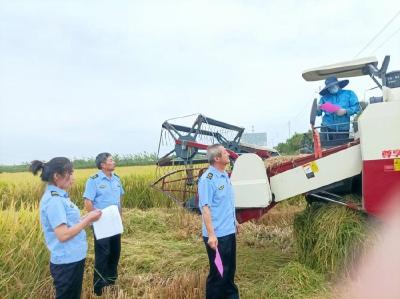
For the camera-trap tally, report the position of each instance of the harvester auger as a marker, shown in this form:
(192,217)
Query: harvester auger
(366,164)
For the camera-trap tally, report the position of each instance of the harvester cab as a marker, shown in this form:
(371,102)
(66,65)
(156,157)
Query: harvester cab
(359,67)
(374,131)
(366,165)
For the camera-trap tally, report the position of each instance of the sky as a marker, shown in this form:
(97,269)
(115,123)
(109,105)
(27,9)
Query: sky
(82,77)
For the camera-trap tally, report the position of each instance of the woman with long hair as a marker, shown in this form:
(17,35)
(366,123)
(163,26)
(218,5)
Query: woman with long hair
(63,227)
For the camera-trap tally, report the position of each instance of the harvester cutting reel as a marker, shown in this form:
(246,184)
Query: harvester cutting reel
(182,153)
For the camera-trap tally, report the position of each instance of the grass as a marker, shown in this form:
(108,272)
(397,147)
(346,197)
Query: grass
(79,174)
(296,280)
(329,237)
(23,256)
(163,256)
(19,189)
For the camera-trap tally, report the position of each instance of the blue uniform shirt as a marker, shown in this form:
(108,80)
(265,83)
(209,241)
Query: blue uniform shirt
(215,191)
(104,191)
(346,99)
(55,209)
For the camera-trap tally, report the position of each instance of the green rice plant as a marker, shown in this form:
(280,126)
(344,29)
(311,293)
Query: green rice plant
(79,174)
(139,194)
(24,258)
(17,189)
(189,285)
(296,280)
(154,246)
(17,194)
(163,256)
(329,237)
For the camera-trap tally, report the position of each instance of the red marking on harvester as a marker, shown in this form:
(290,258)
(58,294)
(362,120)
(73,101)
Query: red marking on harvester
(380,182)
(388,154)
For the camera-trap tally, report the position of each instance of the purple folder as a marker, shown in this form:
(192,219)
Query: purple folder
(218,263)
(329,107)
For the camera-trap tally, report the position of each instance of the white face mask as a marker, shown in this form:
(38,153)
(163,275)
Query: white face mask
(333,89)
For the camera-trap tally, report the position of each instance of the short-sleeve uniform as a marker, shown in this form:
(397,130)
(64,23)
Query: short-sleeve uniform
(215,190)
(55,209)
(67,259)
(104,191)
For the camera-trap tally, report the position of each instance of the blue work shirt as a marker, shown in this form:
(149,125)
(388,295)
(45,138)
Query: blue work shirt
(104,191)
(55,209)
(215,190)
(346,99)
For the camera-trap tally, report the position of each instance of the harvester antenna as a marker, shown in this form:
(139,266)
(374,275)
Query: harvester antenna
(377,35)
(388,39)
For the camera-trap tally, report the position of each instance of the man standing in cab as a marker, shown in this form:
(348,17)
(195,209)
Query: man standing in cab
(336,125)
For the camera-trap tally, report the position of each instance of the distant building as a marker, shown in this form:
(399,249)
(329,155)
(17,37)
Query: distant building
(255,138)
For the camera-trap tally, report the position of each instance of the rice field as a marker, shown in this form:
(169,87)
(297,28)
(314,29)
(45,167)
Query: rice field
(163,254)
(19,189)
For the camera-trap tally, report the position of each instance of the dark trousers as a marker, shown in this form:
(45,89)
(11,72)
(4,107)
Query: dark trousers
(328,134)
(68,279)
(224,287)
(107,252)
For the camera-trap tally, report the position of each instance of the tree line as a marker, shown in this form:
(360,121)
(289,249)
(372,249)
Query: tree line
(143,158)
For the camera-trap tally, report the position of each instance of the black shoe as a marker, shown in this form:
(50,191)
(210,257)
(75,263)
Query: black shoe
(98,292)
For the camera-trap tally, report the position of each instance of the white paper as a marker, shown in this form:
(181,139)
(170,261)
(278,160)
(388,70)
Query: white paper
(109,224)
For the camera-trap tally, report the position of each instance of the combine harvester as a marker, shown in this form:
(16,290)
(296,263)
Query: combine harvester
(366,165)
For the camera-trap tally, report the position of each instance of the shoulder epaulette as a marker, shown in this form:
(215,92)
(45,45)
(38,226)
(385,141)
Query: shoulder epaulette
(210,176)
(116,175)
(94,176)
(54,193)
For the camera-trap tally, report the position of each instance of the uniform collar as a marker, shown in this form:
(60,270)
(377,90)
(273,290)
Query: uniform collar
(60,191)
(102,175)
(217,172)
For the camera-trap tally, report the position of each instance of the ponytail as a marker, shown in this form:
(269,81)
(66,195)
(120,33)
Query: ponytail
(59,165)
(36,166)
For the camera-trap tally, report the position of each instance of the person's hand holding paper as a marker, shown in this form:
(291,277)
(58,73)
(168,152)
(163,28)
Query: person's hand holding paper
(92,216)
